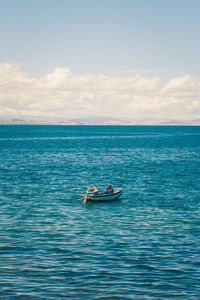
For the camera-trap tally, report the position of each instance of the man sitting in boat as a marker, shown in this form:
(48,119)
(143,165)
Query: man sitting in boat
(94,189)
(109,189)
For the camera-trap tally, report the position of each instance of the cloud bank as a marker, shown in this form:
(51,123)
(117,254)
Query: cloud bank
(65,95)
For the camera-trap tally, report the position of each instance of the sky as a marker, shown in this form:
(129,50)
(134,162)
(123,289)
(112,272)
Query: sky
(133,61)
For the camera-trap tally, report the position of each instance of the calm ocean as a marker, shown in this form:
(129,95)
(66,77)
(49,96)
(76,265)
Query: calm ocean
(144,246)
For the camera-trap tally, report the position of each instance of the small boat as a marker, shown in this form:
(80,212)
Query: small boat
(91,197)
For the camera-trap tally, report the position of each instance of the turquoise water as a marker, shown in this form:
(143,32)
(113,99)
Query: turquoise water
(144,246)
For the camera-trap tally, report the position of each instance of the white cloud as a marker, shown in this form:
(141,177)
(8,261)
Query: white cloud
(182,84)
(65,95)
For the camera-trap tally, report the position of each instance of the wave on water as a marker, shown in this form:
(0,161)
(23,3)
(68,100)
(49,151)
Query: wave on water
(144,246)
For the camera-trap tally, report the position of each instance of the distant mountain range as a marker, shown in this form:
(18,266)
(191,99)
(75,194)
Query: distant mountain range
(91,120)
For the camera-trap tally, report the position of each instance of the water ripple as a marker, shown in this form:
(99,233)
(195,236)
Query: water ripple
(144,246)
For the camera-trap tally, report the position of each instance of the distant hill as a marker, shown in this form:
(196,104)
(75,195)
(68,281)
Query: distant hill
(173,122)
(98,121)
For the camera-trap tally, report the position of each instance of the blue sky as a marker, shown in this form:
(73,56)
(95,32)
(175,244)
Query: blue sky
(134,61)
(110,37)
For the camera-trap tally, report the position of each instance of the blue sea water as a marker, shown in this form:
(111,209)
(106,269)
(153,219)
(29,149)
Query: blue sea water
(144,246)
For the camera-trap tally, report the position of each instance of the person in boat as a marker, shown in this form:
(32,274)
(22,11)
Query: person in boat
(109,189)
(93,189)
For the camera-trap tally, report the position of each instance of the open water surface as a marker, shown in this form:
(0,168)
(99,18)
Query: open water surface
(144,246)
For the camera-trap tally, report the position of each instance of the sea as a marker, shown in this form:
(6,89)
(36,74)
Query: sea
(145,245)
